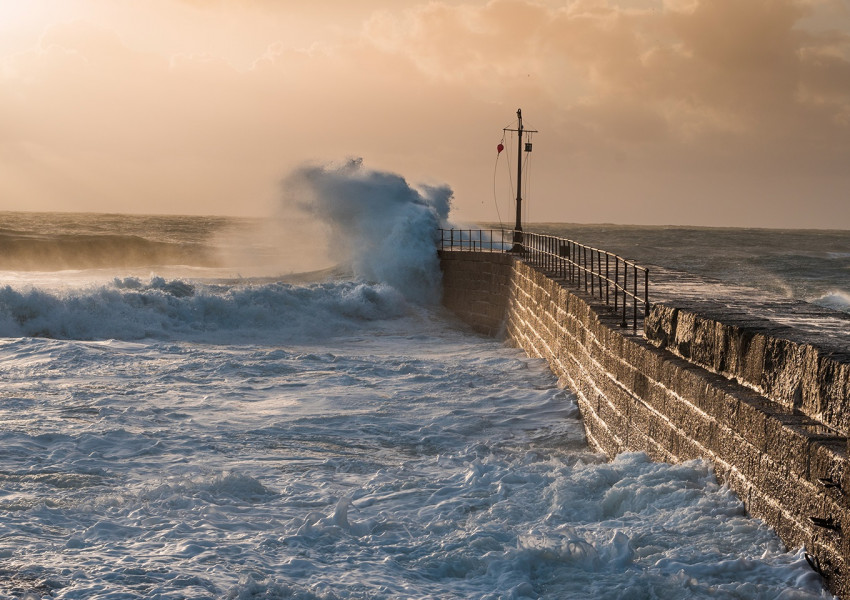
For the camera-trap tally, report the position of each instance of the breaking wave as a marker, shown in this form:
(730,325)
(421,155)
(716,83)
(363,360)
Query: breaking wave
(835,299)
(380,227)
(131,309)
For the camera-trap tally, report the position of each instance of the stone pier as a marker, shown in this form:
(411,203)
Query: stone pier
(757,396)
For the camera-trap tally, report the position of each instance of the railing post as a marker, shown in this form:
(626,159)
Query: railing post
(616,281)
(625,287)
(607,280)
(541,251)
(584,265)
(550,255)
(583,273)
(599,271)
(592,289)
(552,262)
(574,264)
(562,265)
(645,295)
(634,304)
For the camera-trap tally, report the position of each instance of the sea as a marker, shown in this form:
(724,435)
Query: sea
(212,407)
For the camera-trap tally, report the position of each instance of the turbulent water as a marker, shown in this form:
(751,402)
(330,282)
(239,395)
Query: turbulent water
(813,266)
(174,429)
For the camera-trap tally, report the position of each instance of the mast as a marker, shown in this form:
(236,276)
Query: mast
(518,237)
(518,226)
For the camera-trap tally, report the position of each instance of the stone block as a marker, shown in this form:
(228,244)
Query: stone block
(660,325)
(662,432)
(703,349)
(613,418)
(722,405)
(752,416)
(787,442)
(828,462)
(789,491)
(684,337)
(657,397)
(794,533)
(752,358)
(688,449)
(640,417)
(648,360)
(760,506)
(702,430)
(637,440)
(736,451)
(833,393)
(782,375)
(605,442)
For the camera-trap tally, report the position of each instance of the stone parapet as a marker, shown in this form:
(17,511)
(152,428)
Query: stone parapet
(796,374)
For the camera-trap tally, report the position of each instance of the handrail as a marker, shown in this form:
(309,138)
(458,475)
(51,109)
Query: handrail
(579,264)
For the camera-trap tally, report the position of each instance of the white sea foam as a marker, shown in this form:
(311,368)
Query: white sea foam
(835,299)
(131,309)
(422,464)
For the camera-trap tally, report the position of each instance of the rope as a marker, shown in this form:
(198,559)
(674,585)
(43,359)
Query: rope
(525,172)
(510,167)
(526,169)
(495,170)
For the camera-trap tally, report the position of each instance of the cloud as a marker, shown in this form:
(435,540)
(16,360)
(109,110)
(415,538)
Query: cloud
(656,104)
(723,66)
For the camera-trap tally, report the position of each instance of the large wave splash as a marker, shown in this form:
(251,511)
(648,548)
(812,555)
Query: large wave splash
(834,299)
(132,309)
(380,227)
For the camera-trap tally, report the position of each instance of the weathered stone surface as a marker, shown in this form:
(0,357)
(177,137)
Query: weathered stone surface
(797,366)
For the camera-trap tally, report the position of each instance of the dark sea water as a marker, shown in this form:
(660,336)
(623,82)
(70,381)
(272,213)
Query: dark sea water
(184,416)
(808,265)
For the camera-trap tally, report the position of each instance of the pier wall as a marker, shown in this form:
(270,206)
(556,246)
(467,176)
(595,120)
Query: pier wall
(689,389)
(795,374)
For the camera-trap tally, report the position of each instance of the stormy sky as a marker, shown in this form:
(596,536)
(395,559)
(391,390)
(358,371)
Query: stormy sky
(700,112)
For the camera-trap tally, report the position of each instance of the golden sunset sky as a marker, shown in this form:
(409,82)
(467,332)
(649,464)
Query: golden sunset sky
(700,112)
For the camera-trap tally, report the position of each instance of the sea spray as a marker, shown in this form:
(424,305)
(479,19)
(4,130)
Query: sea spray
(834,299)
(380,227)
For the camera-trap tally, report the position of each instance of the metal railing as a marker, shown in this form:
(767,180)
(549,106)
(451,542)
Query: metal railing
(603,275)
(476,239)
